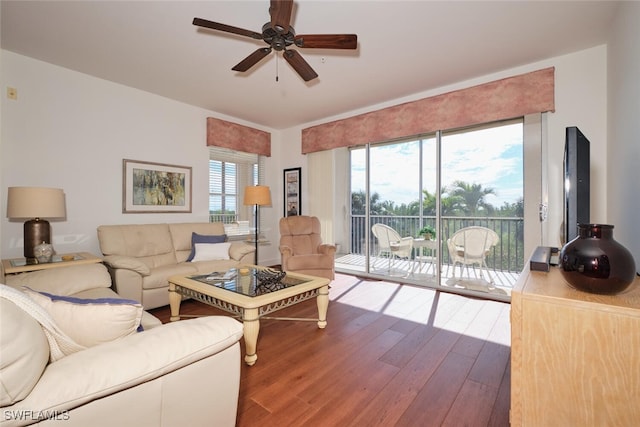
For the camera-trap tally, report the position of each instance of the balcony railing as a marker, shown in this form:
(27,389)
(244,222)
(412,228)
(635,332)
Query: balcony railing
(223,218)
(507,255)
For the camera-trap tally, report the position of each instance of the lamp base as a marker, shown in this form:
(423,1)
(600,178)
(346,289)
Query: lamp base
(36,231)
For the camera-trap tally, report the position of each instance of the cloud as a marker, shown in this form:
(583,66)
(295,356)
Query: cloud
(492,157)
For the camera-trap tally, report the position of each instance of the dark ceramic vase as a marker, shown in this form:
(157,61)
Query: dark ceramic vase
(594,262)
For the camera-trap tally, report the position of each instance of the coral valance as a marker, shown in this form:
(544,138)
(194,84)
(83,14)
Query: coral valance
(498,100)
(221,133)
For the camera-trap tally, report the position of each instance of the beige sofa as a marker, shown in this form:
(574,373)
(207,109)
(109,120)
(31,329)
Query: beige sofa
(141,257)
(178,374)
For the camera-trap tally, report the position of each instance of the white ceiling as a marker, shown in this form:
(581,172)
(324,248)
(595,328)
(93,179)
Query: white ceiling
(404,47)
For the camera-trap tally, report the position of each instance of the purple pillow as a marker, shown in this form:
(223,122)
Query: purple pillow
(202,238)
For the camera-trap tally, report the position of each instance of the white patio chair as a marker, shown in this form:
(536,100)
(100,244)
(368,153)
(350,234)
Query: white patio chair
(391,244)
(471,245)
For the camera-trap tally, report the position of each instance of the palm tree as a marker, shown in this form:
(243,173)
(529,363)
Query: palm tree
(359,203)
(473,197)
(450,205)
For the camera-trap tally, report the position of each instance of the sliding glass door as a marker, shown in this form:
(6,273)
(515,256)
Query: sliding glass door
(409,197)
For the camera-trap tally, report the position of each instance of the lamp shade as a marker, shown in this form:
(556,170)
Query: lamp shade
(35,202)
(257,195)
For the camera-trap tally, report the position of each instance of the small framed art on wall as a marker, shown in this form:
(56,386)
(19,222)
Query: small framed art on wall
(292,196)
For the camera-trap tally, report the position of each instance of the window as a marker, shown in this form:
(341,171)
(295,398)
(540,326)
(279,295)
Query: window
(229,173)
(479,172)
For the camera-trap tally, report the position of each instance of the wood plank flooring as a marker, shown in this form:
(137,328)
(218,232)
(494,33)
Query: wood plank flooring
(391,355)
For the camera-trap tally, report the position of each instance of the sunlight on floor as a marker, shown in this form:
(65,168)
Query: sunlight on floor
(426,306)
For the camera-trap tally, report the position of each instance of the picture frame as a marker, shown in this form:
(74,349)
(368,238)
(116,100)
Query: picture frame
(292,192)
(149,187)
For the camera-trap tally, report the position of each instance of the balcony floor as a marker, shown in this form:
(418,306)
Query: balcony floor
(423,274)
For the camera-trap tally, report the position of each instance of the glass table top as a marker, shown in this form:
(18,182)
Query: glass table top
(21,262)
(249,281)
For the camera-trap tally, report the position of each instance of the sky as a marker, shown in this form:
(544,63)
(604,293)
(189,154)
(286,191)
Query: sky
(492,157)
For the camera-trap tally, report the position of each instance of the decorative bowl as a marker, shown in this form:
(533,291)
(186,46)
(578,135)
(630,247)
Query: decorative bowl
(269,276)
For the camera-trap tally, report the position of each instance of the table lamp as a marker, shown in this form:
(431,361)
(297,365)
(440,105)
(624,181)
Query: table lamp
(257,195)
(35,204)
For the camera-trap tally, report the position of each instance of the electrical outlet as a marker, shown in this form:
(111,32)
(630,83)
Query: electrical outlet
(12,93)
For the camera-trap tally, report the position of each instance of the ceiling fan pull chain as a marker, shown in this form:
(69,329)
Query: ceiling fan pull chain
(277,68)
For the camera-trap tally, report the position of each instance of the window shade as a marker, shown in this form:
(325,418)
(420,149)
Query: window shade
(499,100)
(221,133)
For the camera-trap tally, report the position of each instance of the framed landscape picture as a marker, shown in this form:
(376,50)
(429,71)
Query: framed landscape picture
(155,187)
(292,196)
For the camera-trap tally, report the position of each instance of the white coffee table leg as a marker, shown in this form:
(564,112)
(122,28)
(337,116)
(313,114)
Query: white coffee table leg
(174,303)
(322,300)
(251,323)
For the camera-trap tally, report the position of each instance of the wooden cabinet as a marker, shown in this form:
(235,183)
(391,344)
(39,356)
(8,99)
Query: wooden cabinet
(575,356)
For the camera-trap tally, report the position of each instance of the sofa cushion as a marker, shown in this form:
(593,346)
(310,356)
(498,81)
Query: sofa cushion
(203,238)
(24,355)
(310,262)
(91,322)
(211,251)
(135,240)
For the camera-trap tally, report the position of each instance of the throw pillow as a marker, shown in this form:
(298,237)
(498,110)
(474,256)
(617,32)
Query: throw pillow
(211,251)
(203,238)
(90,322)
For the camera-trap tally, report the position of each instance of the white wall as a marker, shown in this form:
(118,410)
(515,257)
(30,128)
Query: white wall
(580,99)
(71,131)
(623,151)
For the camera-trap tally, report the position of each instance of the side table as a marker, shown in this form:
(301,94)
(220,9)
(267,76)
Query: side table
(421,245)
(20,265)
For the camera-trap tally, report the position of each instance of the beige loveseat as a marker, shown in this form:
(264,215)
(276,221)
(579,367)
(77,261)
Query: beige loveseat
(141,257)
(184,373)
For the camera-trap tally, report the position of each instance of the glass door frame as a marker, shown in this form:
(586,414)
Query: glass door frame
(534,137)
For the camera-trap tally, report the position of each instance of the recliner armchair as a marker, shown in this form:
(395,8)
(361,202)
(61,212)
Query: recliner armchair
(301,247)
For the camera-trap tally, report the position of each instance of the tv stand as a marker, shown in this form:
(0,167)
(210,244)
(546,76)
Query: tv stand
(574,355)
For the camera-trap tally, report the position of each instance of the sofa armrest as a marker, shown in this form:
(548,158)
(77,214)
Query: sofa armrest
(63,281)
(237,250)
(327,249)
(127,263)
(118,365)
(286,251)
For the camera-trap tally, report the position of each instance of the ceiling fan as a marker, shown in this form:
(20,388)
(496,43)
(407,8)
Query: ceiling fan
(279,35)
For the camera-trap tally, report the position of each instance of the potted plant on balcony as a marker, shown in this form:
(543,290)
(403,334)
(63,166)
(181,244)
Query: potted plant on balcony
(428,232)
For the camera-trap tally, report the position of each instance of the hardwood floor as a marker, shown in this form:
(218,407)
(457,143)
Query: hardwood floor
(391,355)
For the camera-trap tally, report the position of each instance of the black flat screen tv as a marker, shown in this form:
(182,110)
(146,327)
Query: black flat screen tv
(576,182)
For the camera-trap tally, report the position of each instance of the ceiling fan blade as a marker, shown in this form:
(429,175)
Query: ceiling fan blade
(226,28)
(300,65)
(252,59)
(327,41)
(280,11)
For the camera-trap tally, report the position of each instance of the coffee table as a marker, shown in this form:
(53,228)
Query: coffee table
(250,298)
